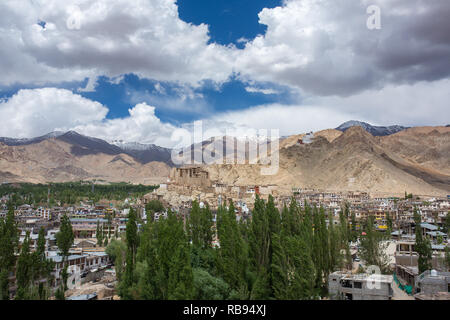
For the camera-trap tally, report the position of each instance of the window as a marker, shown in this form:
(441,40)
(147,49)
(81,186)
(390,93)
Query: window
(346,284)
(357,285)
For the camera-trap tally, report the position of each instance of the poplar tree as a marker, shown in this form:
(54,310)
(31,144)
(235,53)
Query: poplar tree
(260,251)
(322,250)
(344,234)
(132,242)
(64,240)
(163,269)
(422,246)
(372,250)
(335,249)
(232,254)
(293,270)
(200,226)
(181,279)
(24,270)
(99,234)
(9,239)
(42,267)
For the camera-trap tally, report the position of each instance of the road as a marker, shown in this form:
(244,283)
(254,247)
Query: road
(399,294)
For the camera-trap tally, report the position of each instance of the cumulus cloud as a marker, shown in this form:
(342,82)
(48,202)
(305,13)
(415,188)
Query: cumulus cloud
(325,47)
(319,47)
(31,113)
(142,125)
(109,38)
(421,103)
(288,119)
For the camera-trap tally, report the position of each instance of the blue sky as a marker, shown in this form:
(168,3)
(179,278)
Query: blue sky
(228,21)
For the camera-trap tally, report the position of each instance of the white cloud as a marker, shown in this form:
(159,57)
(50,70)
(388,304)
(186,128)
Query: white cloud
(316,46)
(31,113)
(259,90)
(398,74)
(325,48)
(422,103)
(142,125)
(110,38)
(289,120)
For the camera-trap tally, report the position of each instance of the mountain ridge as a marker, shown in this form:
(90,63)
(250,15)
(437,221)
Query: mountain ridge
(414,159)
(374,130)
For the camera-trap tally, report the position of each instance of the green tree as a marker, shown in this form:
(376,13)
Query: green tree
(163,267)
(232,258)
(335,248)
(293,270)
(116,250)
(24,270)
(266,222)
(132,241)
(64,240)
(99,234)
(42,267)
(344,234)
(180,283)
(447,224)
(354,233)
(208,287)
(372,249)
(9,239)
(422,245)
(447,258)
(321,253)
(389,225)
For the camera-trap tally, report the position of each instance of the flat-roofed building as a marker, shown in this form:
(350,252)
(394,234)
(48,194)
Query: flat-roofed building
(347,286)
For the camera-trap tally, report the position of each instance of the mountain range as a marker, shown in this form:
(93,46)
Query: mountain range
(373,130)
(83,145)
(355,156)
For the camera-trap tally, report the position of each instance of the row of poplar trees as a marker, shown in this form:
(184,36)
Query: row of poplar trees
(273,256)
(30,267)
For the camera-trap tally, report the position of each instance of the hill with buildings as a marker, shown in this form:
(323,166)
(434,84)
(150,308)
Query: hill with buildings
(415,159)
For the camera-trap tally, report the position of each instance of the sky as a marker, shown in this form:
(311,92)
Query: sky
(140,70)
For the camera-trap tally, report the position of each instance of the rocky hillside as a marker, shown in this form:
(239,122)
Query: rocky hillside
(58,160)
(82,145)
(415,160)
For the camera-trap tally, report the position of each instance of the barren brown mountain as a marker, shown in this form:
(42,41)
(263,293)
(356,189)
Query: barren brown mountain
(415,160)
(53,160)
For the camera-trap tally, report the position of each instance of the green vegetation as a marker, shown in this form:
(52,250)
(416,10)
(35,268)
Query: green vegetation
(373,249)
(64,240)
(422,246)
(30,267)
(71,192)
(9,240)
(273,256)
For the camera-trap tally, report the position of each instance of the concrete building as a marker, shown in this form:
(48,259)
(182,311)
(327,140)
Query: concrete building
(432,282)
(346,286)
